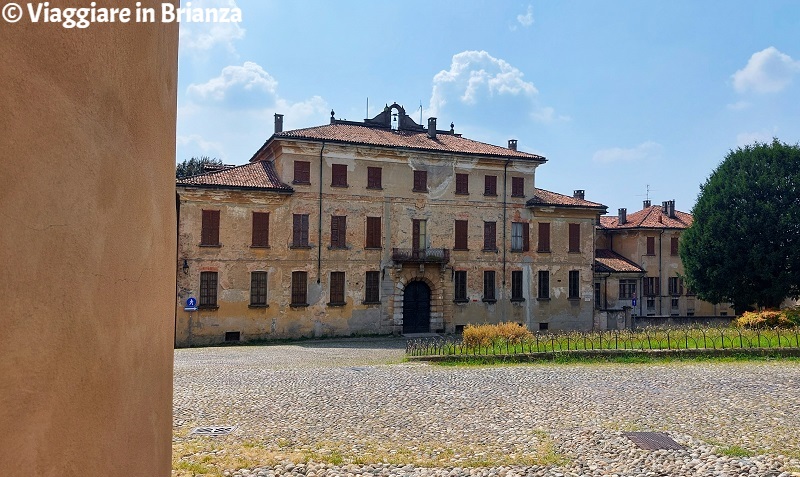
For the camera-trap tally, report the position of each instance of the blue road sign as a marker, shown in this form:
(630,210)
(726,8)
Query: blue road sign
(633,302)
(191,302)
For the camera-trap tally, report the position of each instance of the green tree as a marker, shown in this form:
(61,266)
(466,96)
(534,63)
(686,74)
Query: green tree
(744,244)
(194,166)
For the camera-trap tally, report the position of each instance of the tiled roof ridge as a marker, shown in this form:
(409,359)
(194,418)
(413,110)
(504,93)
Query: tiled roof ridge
(253,175)
(563,200)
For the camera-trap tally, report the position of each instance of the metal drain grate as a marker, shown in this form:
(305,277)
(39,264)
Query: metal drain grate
(653,440)
(212,431)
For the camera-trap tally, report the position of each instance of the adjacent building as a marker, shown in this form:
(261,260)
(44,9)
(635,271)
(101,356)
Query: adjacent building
(380,226)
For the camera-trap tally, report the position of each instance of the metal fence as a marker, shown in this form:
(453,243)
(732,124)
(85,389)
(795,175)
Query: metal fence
(639,340)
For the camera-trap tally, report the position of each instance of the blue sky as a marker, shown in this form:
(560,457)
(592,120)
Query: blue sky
(617,95)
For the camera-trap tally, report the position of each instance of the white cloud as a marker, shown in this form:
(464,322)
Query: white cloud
(767,71)
(645,151)
(196,142)
(248,77)
(475,76)
(748,138)
(197,37)
(526,20)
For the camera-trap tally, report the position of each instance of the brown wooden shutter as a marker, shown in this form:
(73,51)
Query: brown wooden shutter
(300,230)
(420,181)
(461,235)
(373,232)
(517,187)
(339,175)
(462,184)
(415,234)
(673,246)
(302,172)
(489,235)
(337,288)
(374,178)
(526,236)
(651,245)
(490,185)
(544,236)
(210,228)
(260,229)
(299,288)
(658,286)
(574,237)
(338,231)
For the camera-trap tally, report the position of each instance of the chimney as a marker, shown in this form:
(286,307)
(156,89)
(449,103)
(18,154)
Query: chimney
(671,208)
(579,194)
(278,123)
(623,216)
(646,203)
(664,208)
(512,144)
(432,128)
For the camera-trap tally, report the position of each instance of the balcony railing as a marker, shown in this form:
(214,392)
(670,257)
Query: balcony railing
(425,255)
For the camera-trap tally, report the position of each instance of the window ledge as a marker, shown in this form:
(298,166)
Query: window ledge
(518,196)
(489,250)
(489,195)
(517,250)
(489,300)
(373,248)
(298,305)
(543,251)
(340,186)
(337,304)
(374,188)
(574,251)
(370,302)
(257,306)
(208,307)
(210,245)
(260,246)
(574,299)
(649,255)
(301,182)
(331,247)
(302,247)
(461,300)
(462,193)
(517,300)
(461,250)
(543,299)
(419,190)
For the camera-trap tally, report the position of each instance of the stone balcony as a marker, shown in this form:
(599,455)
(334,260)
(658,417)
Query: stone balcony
(424,255)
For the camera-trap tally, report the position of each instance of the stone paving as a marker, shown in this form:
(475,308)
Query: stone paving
(352,408)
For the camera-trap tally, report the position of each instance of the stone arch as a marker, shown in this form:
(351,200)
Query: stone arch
(433,278)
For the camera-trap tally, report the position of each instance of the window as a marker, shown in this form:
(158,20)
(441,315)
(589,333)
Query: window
(520,241)
(544,326)
(651,245)
(517,187)
(210,228)
(338,175)
(574,284)
(651,303)
(302,172)
(260,229)
(460,292)
(462,184)
(574,238)
(490,185)
(673,246)
(675,286)
(337,289)
(598,298)
(652,286)
(544,285)
(372,287)
(488,286)
(490,236)
(674,303)
(627,289)
(461,235)
(420,181)
(419,239)
(338,231)
(373,232)
(208,289)
(544,237)
(258,289)
(374,178)
(516,285)
(299,288)
(300,230)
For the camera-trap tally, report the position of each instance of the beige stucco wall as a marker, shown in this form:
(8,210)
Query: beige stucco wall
(86,246)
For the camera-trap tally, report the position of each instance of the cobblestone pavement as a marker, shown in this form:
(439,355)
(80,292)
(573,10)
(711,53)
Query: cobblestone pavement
(352,408)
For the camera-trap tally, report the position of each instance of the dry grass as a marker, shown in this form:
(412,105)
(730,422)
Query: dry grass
(486,334)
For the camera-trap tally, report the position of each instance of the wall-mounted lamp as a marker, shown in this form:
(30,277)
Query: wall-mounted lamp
(185,266)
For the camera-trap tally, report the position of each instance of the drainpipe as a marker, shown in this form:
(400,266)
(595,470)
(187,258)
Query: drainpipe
(660,238)
(505,175)
(319,227)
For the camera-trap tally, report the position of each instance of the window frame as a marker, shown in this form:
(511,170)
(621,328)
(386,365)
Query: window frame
(517,293)
(627,288)
(490,186)
(209,284)
(372,287)
(336,289)
(339,175)
(489,286)
(374,178)
(574,285)
(302,173)
(520,239)
(460,286)
(299,288)
(673,246)
(300,235)
(543,285)
(489,236)
(259,280)
(420,181)
(650,246)
(652,286)
(574,238)
(209,228)
(461,235)
(374,234)
(517,187)
(338,232)
(462,184)
(543,238)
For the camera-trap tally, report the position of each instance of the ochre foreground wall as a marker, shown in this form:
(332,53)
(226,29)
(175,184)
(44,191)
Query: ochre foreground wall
(87,243)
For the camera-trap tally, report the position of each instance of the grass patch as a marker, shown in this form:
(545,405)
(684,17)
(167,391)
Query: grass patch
(631,357)
(736,451)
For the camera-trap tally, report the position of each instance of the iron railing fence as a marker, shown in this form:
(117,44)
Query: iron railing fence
(639,340)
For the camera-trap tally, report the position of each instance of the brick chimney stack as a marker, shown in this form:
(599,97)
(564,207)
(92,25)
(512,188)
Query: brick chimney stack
(512,144)
(432,128)
(579,194)
(278,123)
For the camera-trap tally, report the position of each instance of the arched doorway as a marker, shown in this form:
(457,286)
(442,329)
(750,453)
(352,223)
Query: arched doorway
(417,308)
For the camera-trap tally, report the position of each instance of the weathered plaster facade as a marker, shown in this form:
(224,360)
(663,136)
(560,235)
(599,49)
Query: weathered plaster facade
(432,261)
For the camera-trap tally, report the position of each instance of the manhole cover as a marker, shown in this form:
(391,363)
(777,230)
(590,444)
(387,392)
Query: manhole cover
(212,431)
(653,440)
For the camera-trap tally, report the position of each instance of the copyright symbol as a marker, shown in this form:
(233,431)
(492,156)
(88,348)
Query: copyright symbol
(12,13)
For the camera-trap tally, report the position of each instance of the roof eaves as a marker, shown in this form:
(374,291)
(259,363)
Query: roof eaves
(279,190)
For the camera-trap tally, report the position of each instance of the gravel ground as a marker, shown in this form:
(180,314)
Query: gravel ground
(351,408)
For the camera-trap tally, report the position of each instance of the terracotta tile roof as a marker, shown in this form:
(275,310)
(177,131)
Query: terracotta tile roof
(547,198)
(608,261)
(373,136)
(652,217)
(256,175)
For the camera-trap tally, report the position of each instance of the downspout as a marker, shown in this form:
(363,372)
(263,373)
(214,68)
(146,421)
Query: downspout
(660,252)
(505,174)
(319,227)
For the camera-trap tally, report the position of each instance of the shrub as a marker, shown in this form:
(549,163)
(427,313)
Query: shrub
(793,315)
(767,319)
(486,334)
